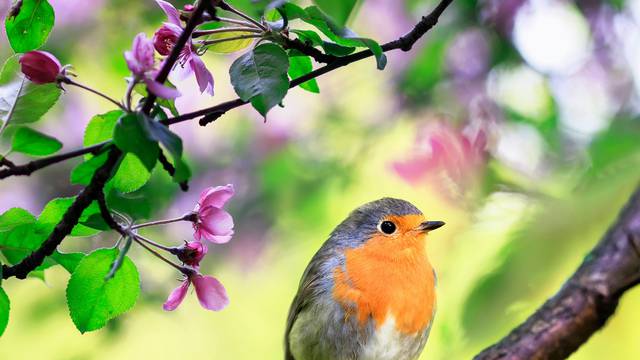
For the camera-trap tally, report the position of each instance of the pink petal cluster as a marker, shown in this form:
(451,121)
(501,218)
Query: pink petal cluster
(447,156)
(141,62)
(211,294)
(214,224)
(189,62)
(40,67)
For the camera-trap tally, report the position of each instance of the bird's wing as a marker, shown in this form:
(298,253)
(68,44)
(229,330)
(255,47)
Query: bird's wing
(310,287)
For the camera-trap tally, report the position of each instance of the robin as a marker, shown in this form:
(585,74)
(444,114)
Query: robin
(369,292)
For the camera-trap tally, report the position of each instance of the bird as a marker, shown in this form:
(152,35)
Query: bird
(369,291)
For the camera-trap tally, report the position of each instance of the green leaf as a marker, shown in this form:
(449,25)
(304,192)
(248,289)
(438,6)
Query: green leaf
(15,217)
(260,76)
(4,310)
(131,135)
(100,128)
(299,65)
(131,174)
(31,142)
(337,50)
(69,261)
(19,235)
(230,46)
(173,144)
(29,28)
(82,174)
(22,101)
(54,211)
(339,34)
(338,10)
(92,300)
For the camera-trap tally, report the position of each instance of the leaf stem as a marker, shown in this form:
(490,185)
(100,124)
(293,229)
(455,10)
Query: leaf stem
(69,81)
(200,33)
(157,254)
(218,41)
(225,6)
(185,217)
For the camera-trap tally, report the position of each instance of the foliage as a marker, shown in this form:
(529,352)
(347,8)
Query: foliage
(512,236)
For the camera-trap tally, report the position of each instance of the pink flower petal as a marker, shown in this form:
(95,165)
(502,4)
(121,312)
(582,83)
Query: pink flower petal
(215,222)
(161,90)
(211,294)
(203,76)
(172,13)
(216,196)
(176,296)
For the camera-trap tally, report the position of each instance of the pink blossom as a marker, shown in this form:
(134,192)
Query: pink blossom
(214,224)
(211,293)
(191,253)
(450,158)
(141,62)
(189,62)
(40,67)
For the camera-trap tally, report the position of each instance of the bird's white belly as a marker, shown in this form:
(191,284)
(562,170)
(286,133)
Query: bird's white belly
(388,344)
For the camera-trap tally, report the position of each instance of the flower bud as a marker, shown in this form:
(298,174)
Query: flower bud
(165,38)
(191,253)
(188,7)
(40,67)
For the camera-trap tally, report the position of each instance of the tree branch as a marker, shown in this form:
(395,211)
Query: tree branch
(69,220)
(30,167)
(585,302)
(404,43)
(102,175)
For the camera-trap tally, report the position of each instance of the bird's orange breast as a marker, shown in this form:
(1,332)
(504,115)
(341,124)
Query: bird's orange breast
(389,276)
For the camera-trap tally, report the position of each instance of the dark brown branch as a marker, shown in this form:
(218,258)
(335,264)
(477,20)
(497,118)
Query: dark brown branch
(163,74)
(585,302)
(30,167)
(106,215)
(101,176)
(69,220)
(404,43)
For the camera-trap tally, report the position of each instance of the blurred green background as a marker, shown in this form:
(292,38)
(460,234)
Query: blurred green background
(551,85)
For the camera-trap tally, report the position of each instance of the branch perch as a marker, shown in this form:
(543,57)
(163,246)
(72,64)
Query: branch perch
(585,302)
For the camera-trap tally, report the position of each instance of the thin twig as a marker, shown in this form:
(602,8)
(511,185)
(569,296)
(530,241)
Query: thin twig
(186,217)
(157,254)
(235,21)
(225,6)
(200,33)
(69,81)
(153,243)
(30,167)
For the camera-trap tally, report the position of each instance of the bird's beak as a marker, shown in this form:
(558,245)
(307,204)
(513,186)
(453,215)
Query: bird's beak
(430,225)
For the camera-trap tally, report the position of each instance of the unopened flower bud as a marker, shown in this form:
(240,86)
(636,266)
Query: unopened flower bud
(40,67)
(166,37)
(191,253)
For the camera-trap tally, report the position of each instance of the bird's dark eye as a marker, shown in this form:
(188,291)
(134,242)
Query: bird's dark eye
(387,227)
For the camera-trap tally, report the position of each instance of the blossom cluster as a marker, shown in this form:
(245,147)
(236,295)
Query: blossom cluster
(213,224)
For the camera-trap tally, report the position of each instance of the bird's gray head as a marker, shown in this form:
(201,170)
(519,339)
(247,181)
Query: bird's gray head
(374,217)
